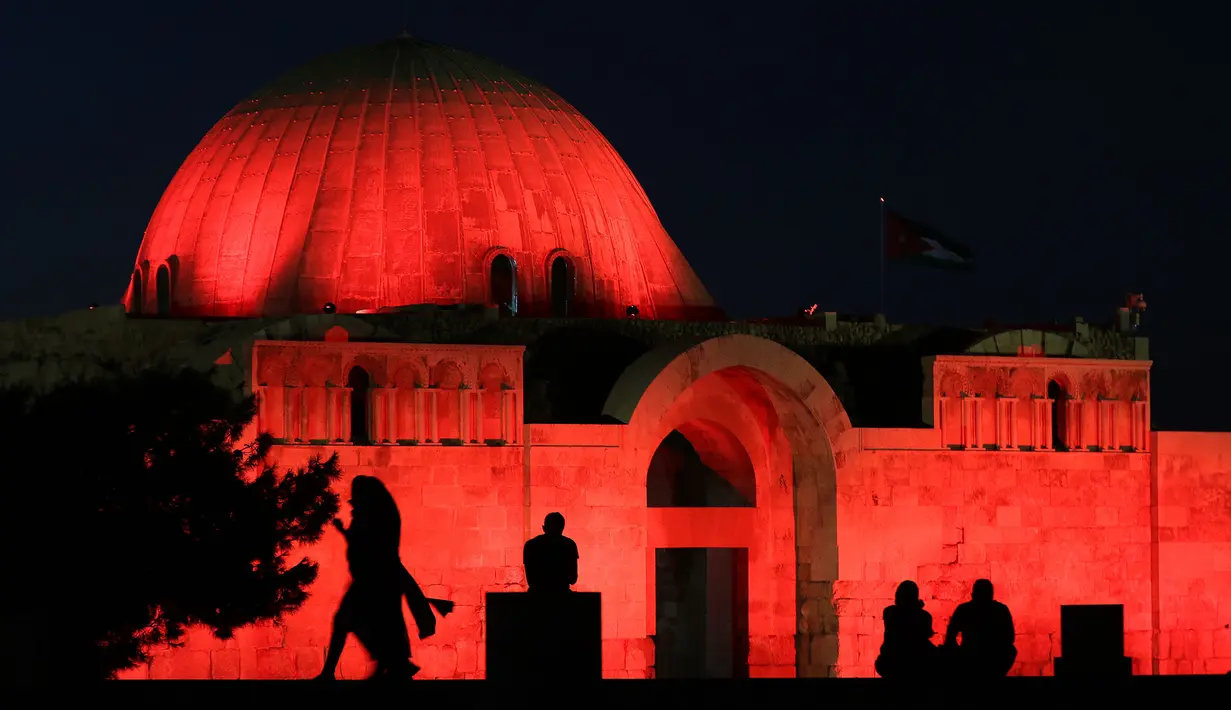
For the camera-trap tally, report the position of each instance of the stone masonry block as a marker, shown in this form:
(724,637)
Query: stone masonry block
(1172,516)
(225,664)
(1220,641)
(778,671)
(180,664)
(309,661)
(443,475)
(268,663)
(493,518)
(481,495)
(442,496)
(467,655)
(464,518)
(614,655)
(1008,516)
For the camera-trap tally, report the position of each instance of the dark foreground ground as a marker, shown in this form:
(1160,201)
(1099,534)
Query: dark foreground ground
(1178,691)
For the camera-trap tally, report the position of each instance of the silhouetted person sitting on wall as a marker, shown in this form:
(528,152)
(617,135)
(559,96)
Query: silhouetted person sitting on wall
(907,651)
(372,606)
(986,629)
(550,559)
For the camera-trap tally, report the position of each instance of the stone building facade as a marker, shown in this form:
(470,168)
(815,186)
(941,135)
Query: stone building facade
(436,282)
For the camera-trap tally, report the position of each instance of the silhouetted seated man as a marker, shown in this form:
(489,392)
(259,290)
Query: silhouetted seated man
(907,651)
(550,559)
(986,629)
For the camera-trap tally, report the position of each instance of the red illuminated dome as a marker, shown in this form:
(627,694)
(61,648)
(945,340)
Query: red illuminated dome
(406,173)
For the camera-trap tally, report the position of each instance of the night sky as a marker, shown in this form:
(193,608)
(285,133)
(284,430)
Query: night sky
(1080,149)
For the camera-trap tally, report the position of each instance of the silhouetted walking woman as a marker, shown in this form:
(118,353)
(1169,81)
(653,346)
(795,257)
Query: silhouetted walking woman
(372,606)
(907,651)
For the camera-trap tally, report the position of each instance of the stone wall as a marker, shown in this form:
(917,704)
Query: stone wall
(466,511)
(1193,471)
(871,507)
(1046,528)
(462,536)
(583,473)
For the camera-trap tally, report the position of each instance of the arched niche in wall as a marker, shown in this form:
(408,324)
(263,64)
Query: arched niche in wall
(448,382)
(359,382)
(489,421)
(1059,397)
(407,413)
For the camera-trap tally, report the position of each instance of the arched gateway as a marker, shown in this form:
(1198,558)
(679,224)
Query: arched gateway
(739,402)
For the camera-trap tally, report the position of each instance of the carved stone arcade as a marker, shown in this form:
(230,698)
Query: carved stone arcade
(1004,403)
(418,394)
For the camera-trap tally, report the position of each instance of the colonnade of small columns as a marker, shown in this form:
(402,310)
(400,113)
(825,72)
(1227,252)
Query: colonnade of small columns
(1005,422)
(395,415)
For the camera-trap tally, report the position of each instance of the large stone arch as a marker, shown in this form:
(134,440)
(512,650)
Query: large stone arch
(672,368)
(813,431)
(1012,342)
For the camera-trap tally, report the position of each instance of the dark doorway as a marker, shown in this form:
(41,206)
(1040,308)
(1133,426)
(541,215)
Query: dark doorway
(163,289)
(561,287)
(1059,415)
(359,382)
(701,620)
(504,284)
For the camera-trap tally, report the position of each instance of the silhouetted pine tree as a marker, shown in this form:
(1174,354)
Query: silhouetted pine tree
(134,511)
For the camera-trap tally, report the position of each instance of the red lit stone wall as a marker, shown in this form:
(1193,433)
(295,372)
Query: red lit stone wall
(462,537)
(1194,551)
(1047,528)
(582,472)
(841,515)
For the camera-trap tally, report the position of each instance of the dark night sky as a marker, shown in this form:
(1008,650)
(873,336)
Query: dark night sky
(1080,148)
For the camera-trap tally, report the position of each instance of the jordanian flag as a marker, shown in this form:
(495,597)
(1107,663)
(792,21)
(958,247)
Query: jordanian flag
(908,240)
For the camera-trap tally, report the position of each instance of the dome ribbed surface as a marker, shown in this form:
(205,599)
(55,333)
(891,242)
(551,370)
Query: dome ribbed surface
(393,175)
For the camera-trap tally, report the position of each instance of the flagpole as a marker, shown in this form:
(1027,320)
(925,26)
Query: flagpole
(882,263)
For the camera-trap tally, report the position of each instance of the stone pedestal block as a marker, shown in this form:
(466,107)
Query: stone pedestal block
(1092,641)
(544,636)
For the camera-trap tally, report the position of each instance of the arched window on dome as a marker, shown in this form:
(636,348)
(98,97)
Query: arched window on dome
(135,294)
(503,283)
(562,285)
(359,383)
(163,287)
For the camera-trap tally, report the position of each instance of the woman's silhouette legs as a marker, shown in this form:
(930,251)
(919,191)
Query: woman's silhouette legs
(342,627)
(372,606)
